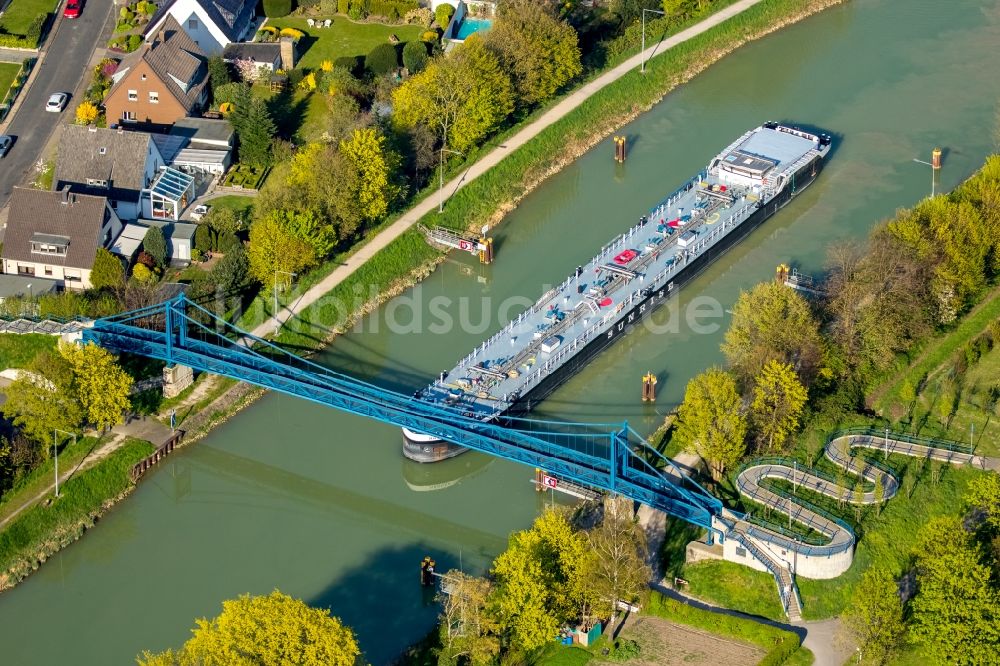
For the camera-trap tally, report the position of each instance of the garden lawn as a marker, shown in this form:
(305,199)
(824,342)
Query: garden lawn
(17,351)
(20,14)
(8,72)
(239,204)
(343,38)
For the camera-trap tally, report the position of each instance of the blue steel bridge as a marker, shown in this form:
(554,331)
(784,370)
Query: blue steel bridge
(612,457)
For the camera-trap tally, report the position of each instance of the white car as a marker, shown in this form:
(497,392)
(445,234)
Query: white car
(199,212)
(57,102)
(5,143)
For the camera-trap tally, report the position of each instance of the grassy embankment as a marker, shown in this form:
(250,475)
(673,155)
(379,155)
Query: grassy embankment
(44,529)
(8,72)
(489,197)
(781,647)
(17,351)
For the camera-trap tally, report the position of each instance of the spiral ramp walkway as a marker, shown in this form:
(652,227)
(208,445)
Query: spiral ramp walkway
(785,555)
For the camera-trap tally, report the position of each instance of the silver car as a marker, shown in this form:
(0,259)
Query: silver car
(5,143)
(57,102)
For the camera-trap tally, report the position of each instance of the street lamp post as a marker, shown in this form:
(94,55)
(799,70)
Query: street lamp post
(277,322)
(642,51)
(441,177)
(55,452)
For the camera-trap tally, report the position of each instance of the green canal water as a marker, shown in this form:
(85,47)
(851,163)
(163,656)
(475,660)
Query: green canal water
(321,505)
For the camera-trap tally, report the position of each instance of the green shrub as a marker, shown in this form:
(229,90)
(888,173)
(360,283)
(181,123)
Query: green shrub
(353,64)
(277,8)
(134,42)
(226,241)
(226,93)
(382,59)
(295,78)
(343,6)
(34,32)
(125,14)
(443,14)
(357,10)
(203,238)
(415,56)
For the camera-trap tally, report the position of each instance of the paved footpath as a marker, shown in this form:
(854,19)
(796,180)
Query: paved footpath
(557,112)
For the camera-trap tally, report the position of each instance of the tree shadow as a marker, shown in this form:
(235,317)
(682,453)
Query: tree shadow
(287,112)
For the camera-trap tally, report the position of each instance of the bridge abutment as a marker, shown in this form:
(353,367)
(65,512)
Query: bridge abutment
(176,378)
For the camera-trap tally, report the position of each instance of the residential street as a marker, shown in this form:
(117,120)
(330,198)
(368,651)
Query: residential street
(67,53)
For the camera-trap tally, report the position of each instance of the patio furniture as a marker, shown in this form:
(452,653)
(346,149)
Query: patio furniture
(327,23)
(310,22)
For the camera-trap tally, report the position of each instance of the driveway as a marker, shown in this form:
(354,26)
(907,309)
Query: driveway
(67,54)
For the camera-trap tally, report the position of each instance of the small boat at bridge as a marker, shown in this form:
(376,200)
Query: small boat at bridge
(628,279)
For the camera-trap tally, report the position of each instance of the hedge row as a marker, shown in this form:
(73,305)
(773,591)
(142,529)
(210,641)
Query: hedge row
(30,39)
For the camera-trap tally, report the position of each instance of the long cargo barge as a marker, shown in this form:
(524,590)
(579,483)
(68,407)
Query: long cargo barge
(628,279)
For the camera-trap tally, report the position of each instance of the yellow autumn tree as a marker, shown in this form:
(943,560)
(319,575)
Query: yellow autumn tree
(326,65)
(276,251)
(376,165)
(267,630)
(308,81)
(102,386)
(87,113)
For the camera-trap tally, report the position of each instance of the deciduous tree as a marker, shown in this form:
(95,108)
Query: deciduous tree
(376,166)
(778,400)
(469,630)
(463,97)
(874,618)
(955,615)
(983,494)
(711,420)
(773,322)
(539,51)
(275,248)
(540,580)
(45,397)
(87,113)
(617,569)
(265,630)
(103,387)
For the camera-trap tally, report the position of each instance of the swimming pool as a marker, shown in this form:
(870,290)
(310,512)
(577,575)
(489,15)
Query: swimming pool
(469,26)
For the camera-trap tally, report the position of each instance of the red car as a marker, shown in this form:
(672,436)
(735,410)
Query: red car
(73,8)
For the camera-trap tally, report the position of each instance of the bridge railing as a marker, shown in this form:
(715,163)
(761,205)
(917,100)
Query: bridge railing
(879,433)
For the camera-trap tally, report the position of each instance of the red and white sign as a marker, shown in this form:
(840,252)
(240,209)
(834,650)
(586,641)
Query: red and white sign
(549,481)
(464,245)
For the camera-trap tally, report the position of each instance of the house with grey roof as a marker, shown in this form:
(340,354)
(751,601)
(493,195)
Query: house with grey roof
(197,145)
(163,81)
(114,164)
(211,24)
(56,235)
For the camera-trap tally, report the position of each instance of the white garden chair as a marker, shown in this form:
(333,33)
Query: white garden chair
(310,22)
(327,23)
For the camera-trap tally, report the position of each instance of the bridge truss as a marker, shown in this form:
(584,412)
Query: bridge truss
(612,457)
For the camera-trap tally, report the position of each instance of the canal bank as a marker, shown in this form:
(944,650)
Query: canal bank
(320,504)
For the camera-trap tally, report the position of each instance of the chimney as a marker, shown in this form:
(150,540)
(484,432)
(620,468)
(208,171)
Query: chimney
(287,45)
(67,198)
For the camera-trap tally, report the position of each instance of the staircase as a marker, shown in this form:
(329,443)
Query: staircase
(788,591)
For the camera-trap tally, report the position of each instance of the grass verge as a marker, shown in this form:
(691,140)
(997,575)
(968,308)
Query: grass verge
(33,483)
(735,586)
(17,351)
(42,530)
(8,72)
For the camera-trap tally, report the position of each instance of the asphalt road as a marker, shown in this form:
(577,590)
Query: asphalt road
(68,52)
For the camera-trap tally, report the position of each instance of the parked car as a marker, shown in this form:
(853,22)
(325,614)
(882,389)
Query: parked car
(73,9)
(57,102)
(199,211)
(5,143)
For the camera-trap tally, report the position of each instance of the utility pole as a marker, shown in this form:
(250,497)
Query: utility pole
(441,177)
(642,51)
(55,451)
(277,322)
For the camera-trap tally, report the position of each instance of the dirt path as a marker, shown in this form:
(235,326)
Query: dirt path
(491,159)
(663,643)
